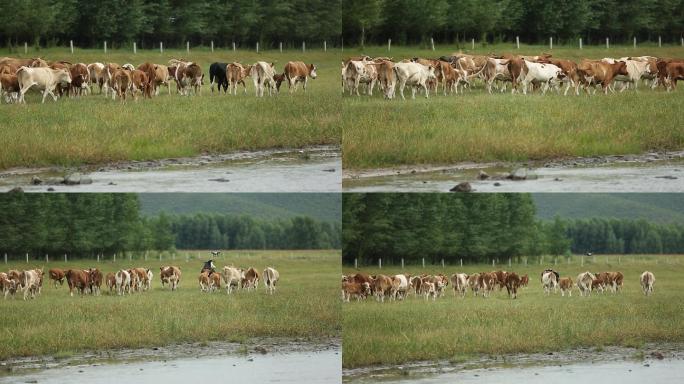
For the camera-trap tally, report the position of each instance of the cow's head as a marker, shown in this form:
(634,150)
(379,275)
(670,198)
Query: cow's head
(278,78)
(63,77)
(431,73)
(621,68)
(312,71)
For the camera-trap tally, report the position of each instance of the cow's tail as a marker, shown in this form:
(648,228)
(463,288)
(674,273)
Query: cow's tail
(479,72)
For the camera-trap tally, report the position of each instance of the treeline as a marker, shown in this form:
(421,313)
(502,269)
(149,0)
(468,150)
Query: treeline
(451,21)
(482,227)
(84,225)
(121,22)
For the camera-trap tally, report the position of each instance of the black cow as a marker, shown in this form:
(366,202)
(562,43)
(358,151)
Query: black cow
(217,74)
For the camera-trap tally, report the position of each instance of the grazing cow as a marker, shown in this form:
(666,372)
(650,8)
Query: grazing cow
(360,72)
(460,283)
(524,280)
(188,75)
(170,275)
(549,282)
(134,284)
(429,290)
(297,72)
(512,284)
(382,286)
(262,75)
(121,83)
(271,277)
(236,74)
(78,279)
(399,288)
(110,280)
(598,285)
(647,280)
(7,285)
(415,75)
(80,79)
(357,290)
(474,283)
(141,278)
(251,279)
(44,79)
(673,71)
(616,280)
(140,81)
(214,281)
(233,277)
(601,73)
(94,281)
(545,74)
(30,283)
(218,76)
(9,87)
(565,285)
(57,275)
(386,78)
(584,283)
(123,282)
(97,74)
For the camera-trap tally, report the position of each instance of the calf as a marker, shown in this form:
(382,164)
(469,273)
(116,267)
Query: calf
(647,280)
(170,275)
(524,280)
(94,281)
(251,279)
(110,281)
(271,277)
(140,82)
(236,74)
(80,79)
(565,285)
(123,282)
(549,282)
(512,284)
(233,277)
(357,290)
(460,283)
(77,279)
(7,286)
(9,87)
(57,275)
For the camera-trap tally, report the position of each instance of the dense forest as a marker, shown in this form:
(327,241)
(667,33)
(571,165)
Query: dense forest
(83,225)
(480,227)
(173,22)
(450,21)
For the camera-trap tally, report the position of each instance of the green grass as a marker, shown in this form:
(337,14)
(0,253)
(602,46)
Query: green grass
(502,127)
(305,306)
(451,328)
(95,129)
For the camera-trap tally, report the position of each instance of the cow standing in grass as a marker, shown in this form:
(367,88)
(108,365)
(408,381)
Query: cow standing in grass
(77,279)
(170,275)
(584,283)
(549,282)
(271,277)
(460,283)
(565,285)
(512,284)
(647,280)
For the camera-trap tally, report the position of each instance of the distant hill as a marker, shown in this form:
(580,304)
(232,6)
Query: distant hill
(320,206)
(658,207)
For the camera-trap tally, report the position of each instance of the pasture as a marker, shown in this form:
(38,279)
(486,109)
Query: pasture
(455,328)
(304,307)
(95,129)
(479,127)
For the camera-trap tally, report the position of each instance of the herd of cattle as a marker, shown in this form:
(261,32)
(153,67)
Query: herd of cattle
(398,287)
(127,281)
(60,78)
(523,72)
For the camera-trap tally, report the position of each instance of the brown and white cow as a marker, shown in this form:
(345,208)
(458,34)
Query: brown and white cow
(188,76)
(30,283)
(262,75)
(251,279)
(140,82)
(382,286)
(647,279)
(44,79)
(460,283)
(565,284)
(77,279)
(97,75)
(297,72)
(271,277)
(352,289)
(80,79)
(170,275)
(512,283)
(236,73)
(110,281)
(121,83)
(9,87)
(7,286)
(585,282)
(57,275)
(600,73)
(123,282)
(94,281)
(232,277)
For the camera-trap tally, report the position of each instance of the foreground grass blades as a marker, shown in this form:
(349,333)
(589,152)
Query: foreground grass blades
(479,127)
(453,328)
(304,306)
(95,129)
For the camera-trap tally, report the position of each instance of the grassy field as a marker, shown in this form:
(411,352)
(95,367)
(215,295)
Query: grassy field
(97,129)
(455,329)
(306,305)
(501,127)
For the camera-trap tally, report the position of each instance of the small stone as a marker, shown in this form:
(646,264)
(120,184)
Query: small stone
(657,355)
(220,180)
(647,365)
(557,179)
(35,180)
(497,184)
(73,179)
(86,180)
(482,175)
(16,190)
(111,183)
(329,170)
(50,189)
(462,187)
(518,174)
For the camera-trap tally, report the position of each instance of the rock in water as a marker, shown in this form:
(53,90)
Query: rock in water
(462,187)
(86,180)
(16,190)
(518,174)
(35,180)
(482,175)
(73,179)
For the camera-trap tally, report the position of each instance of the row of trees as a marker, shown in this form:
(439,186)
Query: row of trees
(415,21)
(89,22)
(83,225)
(481,227)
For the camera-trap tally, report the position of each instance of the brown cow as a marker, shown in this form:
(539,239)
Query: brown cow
(518,70)
(77,278)
(140,82)
(203,279)
(110,280)
(151,72)
(569,69)
(524,280)
(297,72)
(236,74)
(94,281)
(358,290)
(501,278)
(7,286)
(57,275)
(121,83)
(80,78)
(9,87)
(601,73)
(170,275)
(382,286)
(565,284)
(512,283)
(672,71)
(251,279)
(215,281)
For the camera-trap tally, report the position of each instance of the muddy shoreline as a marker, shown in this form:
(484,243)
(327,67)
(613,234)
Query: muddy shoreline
(648,353)
(261,346)
(571,162)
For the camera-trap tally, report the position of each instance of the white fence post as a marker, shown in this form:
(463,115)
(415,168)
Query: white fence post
(580,43)
(212,46)
(257,47)
(187,47)
(280,46)
(660,42)
(5,258)
(526,261)
(160,256)
(115,257)
(135,48)
(509,262)
(233,46)
(461,263)
(473,43)
(607,42)
(98,257)
(105,47)
(25,48)
(71,45)
(550,42)
(303,46)
(492,262)
(161,47)
(634,42)
(423,262)
(356,263)
(27,258)
(517,41)
(402,263)
(389,45)
(380,263)
(442,263)
(432,43)
(47,260)
(66,259)
(325,46)
(682,41)
(130,256)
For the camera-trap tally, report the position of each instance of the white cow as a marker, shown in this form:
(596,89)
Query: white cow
(44,79)
(360,72)
(549,282)
(31,283)
(429,290)
(496,70)
(636,70)
(123,282)
(400,287)
(97,73)
(460,283)
(647,280)
(232,276)
(271,277)
(415,75)
(546,74)
(262,74)
(148,283)
(584,281)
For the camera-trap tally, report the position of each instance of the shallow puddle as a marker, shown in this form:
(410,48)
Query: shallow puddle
(290,367)
(643,177)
